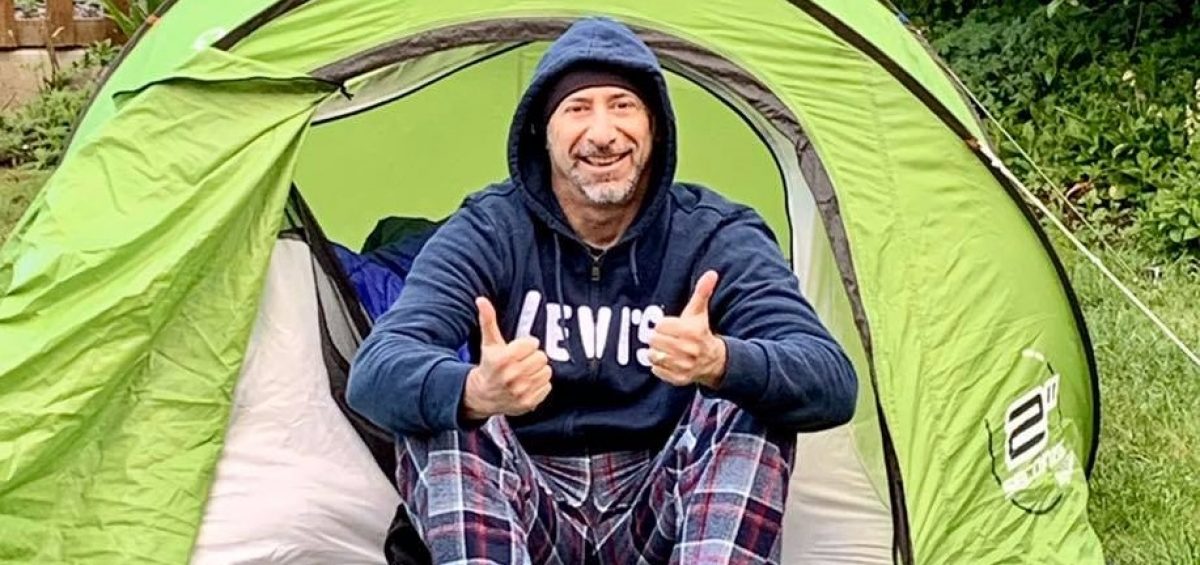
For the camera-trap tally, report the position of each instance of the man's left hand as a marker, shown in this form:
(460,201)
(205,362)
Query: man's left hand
(684,350)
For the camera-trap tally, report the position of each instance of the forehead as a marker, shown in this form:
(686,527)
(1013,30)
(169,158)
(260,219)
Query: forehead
(600,93)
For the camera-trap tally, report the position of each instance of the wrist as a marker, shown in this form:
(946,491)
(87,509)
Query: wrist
(471,406)
(715,370)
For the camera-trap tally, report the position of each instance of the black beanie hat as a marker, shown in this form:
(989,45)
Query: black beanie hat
(579,78)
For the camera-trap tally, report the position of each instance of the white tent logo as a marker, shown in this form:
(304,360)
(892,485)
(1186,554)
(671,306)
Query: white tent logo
(1027,435)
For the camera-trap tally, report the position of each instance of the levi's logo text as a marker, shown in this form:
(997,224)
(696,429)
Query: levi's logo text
(592,327)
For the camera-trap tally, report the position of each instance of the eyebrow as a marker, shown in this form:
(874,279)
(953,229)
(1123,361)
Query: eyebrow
(579,98)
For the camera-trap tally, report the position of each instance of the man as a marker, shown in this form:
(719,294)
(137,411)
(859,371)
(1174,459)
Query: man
(616,413)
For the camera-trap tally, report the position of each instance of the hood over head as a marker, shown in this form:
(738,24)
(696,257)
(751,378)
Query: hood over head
(590,43)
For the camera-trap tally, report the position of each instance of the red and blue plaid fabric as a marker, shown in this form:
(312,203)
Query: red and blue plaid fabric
(714,494)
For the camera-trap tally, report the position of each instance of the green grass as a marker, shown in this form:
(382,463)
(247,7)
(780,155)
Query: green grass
(16,191)
(1146,487)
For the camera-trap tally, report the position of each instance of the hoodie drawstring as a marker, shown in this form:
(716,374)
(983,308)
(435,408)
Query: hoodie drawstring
(633,263)
(558,271)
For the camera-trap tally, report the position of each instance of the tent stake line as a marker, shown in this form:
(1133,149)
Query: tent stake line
(1129,294)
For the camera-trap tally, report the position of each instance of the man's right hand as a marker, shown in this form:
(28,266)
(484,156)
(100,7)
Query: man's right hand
(511,378)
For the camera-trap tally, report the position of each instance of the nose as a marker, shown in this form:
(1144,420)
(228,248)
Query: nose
(602,132)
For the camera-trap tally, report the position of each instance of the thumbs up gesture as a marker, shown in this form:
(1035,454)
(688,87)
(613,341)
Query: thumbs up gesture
(683,350)
(512,378)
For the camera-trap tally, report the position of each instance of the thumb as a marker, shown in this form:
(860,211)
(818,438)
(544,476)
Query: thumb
(698,305)
(489,331)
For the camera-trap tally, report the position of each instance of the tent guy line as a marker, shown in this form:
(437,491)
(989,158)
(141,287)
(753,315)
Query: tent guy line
(1042,173)
(995,161)
(1045,210)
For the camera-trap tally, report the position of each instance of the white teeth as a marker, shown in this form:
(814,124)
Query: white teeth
(601,161)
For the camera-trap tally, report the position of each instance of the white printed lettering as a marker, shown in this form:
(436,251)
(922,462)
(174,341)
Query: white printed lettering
(594,330)
(557,332)
(623,338)
(529,310)
(649,319)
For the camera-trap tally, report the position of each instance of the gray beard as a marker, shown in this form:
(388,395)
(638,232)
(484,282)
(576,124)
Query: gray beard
(607,192)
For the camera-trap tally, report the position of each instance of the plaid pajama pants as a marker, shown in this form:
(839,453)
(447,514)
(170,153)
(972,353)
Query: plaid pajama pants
(714,494)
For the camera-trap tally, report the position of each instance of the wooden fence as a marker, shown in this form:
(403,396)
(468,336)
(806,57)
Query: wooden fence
(60,27)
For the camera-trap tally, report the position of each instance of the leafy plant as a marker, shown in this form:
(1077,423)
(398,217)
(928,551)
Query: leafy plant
(129,19)
(1103,100)
(32,135)
(1174,214)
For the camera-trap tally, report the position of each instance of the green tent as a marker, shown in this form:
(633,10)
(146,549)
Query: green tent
(129,291)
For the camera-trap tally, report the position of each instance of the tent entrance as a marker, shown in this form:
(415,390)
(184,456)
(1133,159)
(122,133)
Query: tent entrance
(298,466)
(426,123)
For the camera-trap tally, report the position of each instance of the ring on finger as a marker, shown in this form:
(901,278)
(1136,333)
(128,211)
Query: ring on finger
(657,356)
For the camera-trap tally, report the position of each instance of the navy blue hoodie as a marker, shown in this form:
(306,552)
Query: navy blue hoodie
(593,315)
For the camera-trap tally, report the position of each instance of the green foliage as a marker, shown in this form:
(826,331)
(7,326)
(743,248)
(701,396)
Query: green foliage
(1174,215)
(940,10)
(33,135)
(1103,98)
(131,19)
(1054,5)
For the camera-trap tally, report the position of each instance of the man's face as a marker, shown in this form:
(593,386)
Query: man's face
(599,139)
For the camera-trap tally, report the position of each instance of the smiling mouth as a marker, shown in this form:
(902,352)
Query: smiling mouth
(602,161)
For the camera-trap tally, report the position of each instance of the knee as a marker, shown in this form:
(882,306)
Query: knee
(733,455)
(716,421)
(472,454)
(490,440)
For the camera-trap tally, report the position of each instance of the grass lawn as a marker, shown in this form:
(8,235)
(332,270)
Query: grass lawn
(16,191)
(1146,488)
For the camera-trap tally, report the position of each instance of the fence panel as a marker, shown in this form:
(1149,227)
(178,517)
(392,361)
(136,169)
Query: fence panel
(59,28)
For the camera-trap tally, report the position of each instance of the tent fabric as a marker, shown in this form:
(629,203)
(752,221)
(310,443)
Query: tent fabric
(833,515)
(294,484)
(184,27)
(902,272)
(129,289)
(121,343)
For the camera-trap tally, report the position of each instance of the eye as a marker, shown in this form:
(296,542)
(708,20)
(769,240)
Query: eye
(625,104)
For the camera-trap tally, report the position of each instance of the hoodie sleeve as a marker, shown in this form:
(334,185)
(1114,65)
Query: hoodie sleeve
(782,365)
(407,376)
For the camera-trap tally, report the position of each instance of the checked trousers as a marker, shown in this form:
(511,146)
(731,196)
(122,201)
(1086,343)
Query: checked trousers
(714,494)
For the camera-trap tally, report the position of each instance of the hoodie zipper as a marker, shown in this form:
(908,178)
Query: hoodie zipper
(594,362)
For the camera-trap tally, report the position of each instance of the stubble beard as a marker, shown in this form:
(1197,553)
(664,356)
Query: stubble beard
(607,190)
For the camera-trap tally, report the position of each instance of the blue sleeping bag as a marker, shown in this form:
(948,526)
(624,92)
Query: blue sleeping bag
(378,273)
